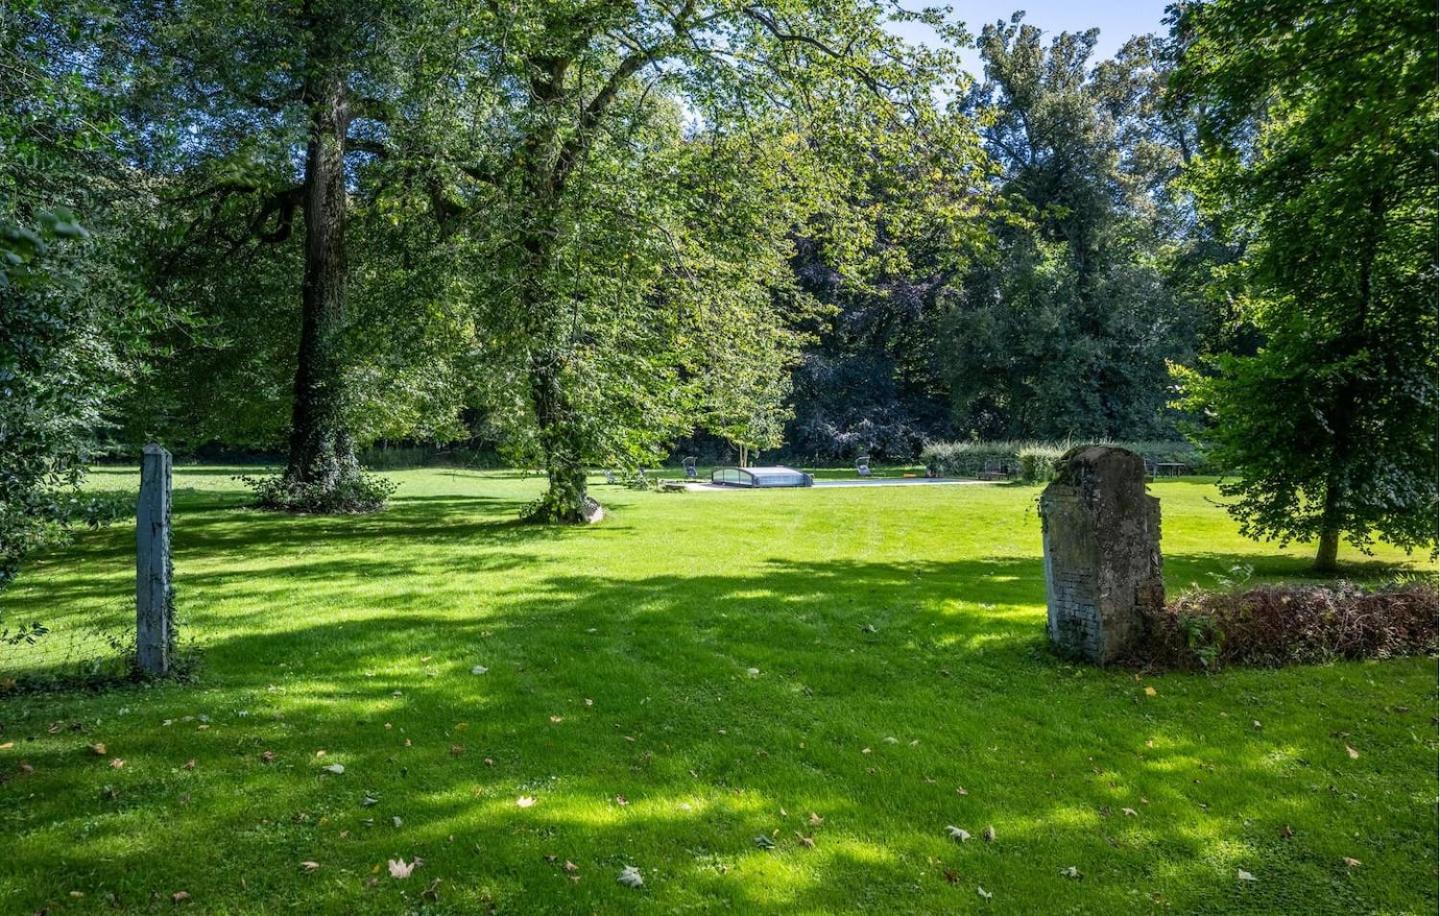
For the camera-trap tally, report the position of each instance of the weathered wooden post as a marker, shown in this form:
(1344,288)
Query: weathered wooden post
(154,597)
(1102,552)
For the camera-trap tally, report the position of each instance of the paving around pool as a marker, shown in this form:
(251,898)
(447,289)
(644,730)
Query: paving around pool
(825,484)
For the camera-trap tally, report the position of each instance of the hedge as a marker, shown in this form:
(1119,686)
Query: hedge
(1035,461)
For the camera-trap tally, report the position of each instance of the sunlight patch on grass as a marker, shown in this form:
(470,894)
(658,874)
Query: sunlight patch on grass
(923,621)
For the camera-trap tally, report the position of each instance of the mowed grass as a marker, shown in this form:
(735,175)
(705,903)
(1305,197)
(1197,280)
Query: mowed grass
(698,671)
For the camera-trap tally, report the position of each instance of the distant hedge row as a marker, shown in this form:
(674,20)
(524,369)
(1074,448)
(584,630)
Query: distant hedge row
(1035,461)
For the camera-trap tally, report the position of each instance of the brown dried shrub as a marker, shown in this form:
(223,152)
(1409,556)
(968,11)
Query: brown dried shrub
(1271,626)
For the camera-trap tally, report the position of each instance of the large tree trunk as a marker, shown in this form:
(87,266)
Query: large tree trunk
(567,500)
(321,450)
(1325,556)
(1329,549)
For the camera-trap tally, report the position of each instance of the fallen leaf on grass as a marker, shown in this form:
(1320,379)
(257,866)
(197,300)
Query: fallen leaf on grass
(807,841)
(98,750)
(308,866)
(815,819)
(189,764)
(957,834)
(179,897)
(525,801)
(764,842)
(983,892)
(116,764)
(1287,832)
(267,757)
(7,745)
(570,866)
(1243,875)
(621,800)
(1349,862)
(630,877)
(1129,812)
(1150,691)
(400,869)
(1071,872)
(1354,754)
(335,768)
(960,790)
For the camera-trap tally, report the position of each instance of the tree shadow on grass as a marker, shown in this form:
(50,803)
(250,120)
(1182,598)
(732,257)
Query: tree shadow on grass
(718,700)
(845,655)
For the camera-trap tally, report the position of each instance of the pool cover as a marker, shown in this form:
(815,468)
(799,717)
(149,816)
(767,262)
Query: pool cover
(760,477)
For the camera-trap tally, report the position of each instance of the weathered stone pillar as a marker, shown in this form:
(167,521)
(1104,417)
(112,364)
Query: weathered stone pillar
(154,599)
(1102,552)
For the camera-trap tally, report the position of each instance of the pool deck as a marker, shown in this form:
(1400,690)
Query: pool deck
(862,482)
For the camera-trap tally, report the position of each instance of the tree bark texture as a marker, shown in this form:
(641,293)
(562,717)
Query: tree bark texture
(321,450)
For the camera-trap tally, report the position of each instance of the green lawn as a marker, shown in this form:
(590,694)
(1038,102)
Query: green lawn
(698,671)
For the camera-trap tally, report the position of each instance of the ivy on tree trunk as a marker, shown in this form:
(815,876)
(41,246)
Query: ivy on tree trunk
(321,450)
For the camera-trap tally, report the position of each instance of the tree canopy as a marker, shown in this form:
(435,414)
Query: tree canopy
(1319,134)
(582,234)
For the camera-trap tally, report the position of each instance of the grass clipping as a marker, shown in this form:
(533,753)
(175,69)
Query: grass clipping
(1272,626)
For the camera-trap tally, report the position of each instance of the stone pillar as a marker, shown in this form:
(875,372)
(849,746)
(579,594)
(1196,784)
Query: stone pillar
(1102,552)
(154,600)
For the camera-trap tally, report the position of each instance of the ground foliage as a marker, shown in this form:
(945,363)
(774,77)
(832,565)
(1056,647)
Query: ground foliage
(1273,626)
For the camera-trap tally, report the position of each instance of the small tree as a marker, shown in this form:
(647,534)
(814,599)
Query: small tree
(1319,158)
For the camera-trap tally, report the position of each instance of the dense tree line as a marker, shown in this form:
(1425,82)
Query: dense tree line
(1060,319)
(581,232)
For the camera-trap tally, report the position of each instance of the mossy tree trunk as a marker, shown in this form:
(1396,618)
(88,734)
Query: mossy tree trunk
(567,500)
(321,450)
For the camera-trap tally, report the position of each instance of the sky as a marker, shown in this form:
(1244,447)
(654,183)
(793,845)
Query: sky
(1117,20)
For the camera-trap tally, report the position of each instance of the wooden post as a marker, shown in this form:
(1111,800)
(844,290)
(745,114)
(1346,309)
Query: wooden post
(154,603)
